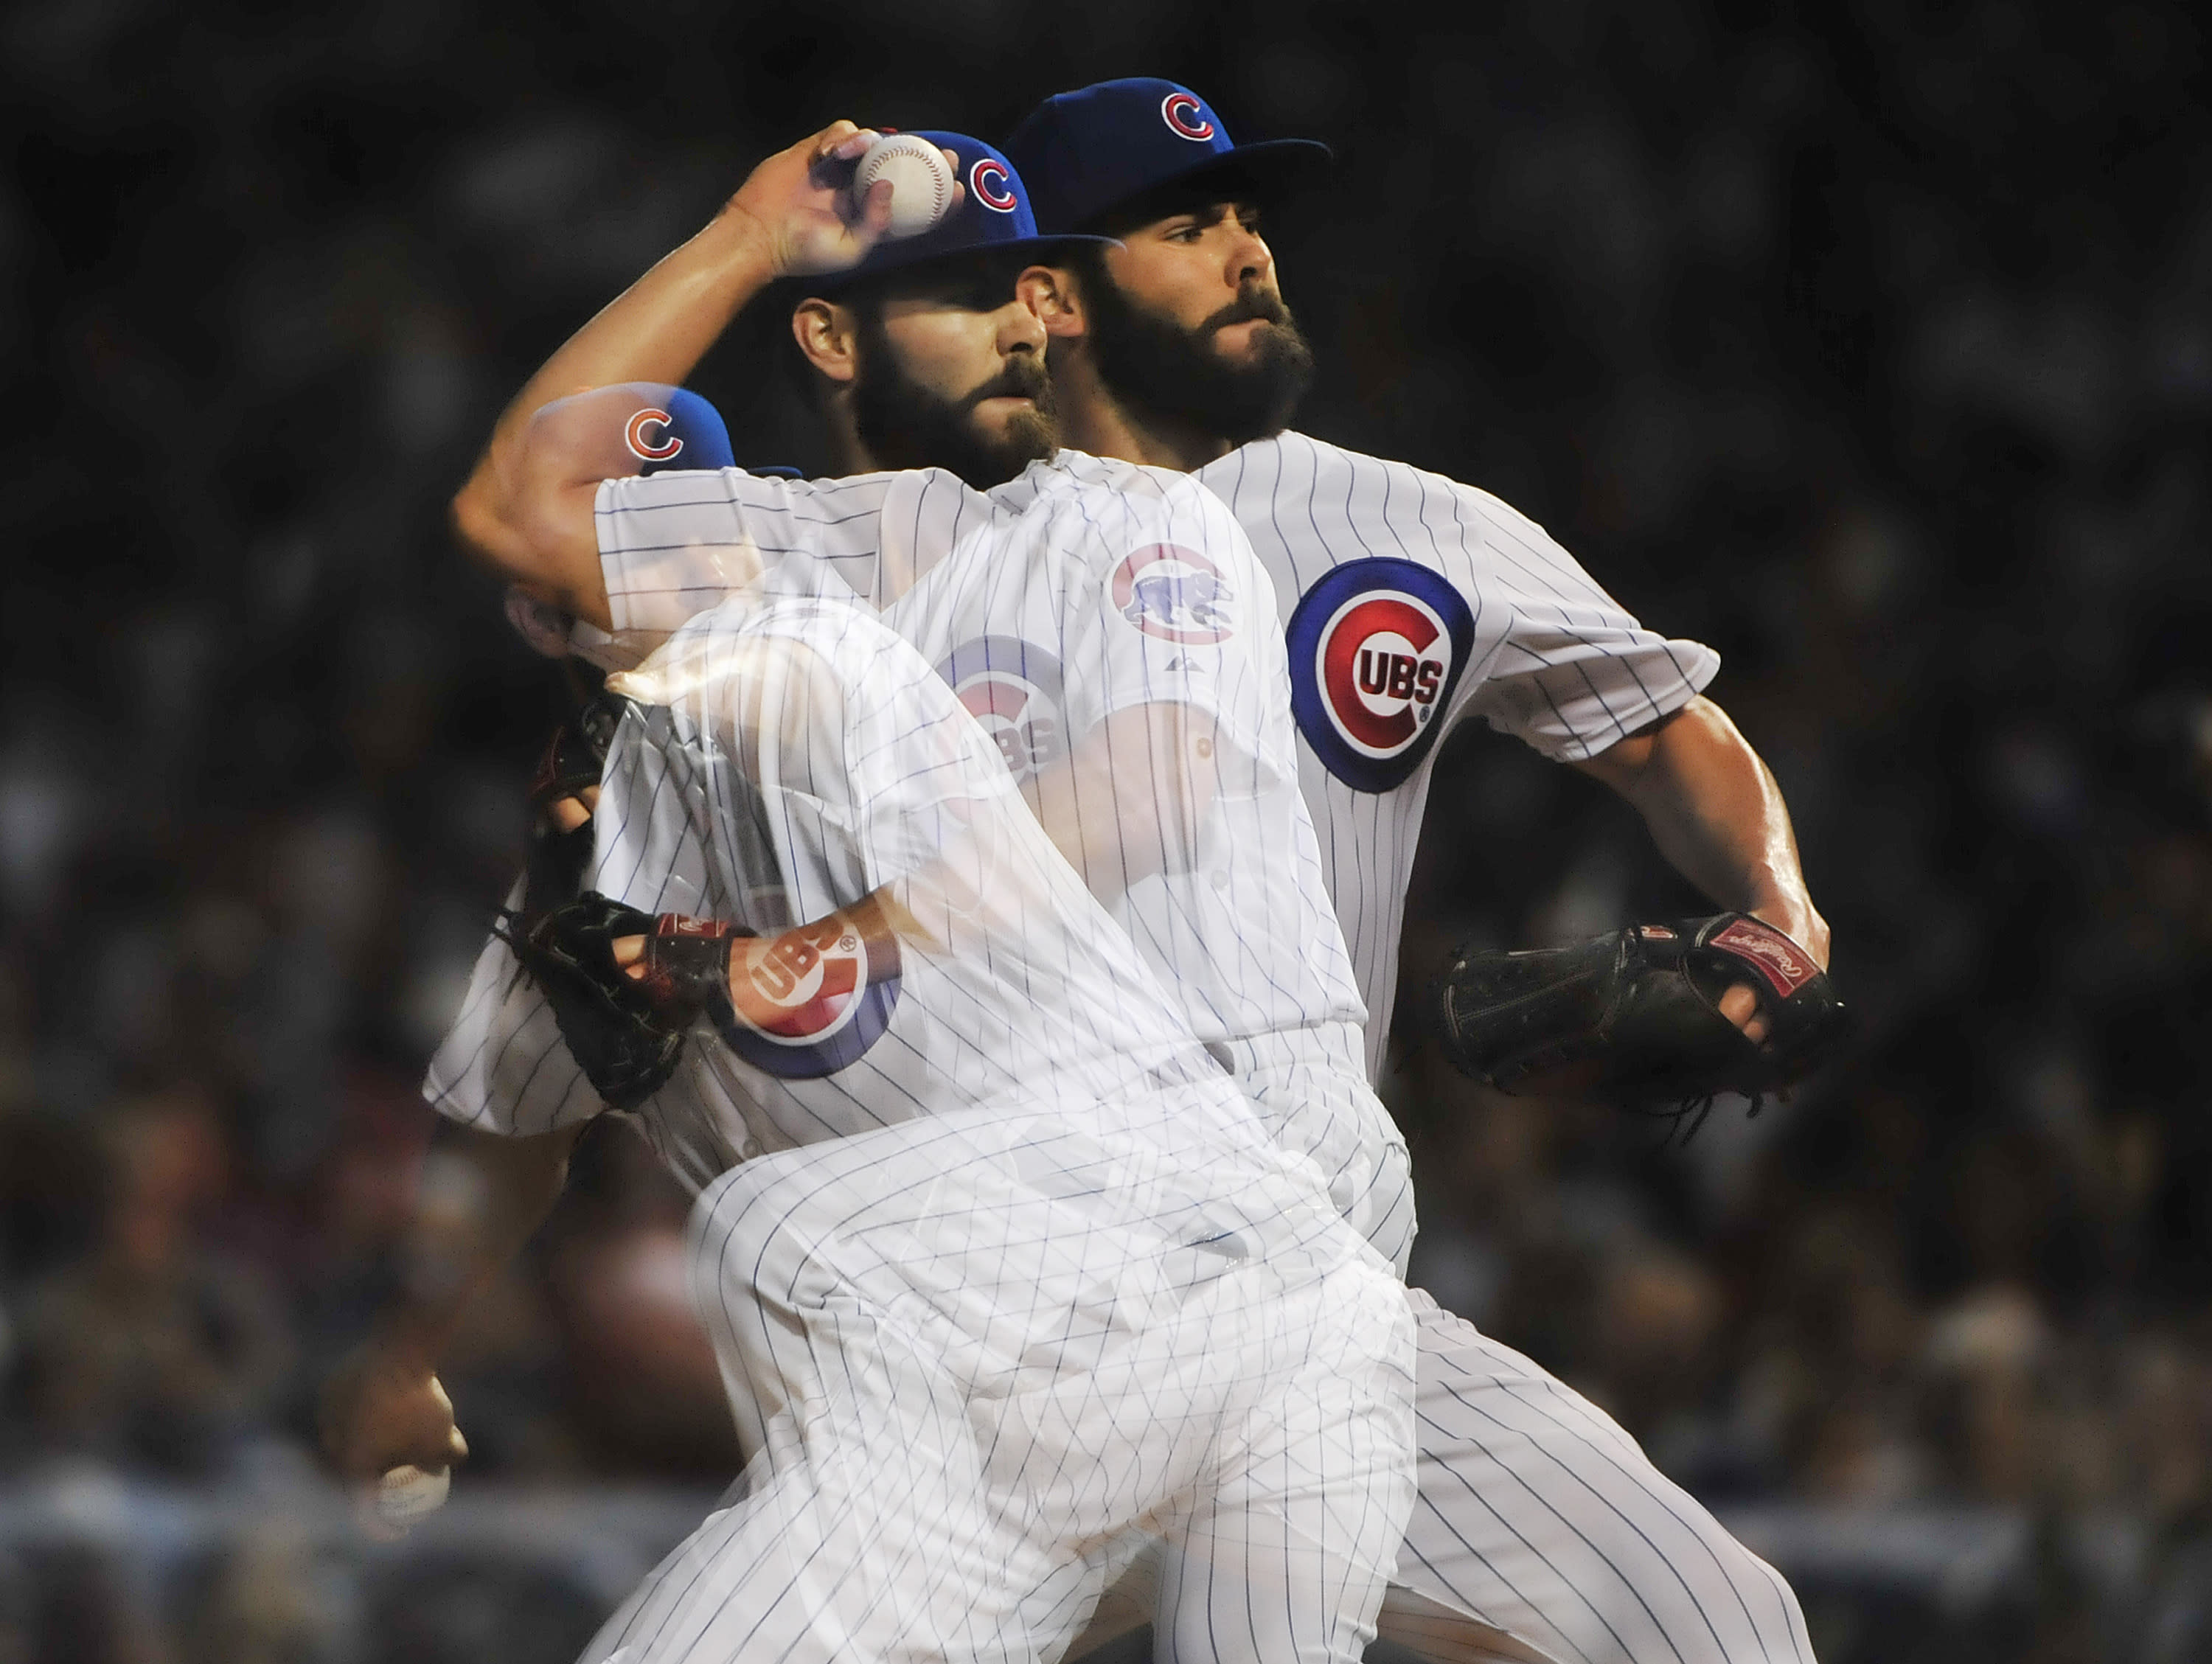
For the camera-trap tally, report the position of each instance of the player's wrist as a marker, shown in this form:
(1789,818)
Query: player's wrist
(743,247)
(1796,918)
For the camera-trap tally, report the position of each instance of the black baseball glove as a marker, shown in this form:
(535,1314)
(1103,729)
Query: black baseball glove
(625,1032)
(1634,1017)
(574,758)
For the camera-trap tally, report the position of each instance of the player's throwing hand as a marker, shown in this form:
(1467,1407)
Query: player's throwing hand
(380,1411)
(802,201)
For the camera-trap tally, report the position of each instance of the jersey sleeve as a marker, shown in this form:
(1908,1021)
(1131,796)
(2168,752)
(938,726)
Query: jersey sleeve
(503,1066)
(850,760)
(1574,671)
(1173,608)
(673,545)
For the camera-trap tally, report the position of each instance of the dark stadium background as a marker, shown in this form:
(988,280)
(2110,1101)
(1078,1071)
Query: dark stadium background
(1870,343)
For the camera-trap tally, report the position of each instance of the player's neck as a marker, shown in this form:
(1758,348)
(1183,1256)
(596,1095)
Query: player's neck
(848,452)
(1092,419)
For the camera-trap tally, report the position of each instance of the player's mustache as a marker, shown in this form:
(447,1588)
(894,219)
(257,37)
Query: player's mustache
(1024,377)
(1251,305)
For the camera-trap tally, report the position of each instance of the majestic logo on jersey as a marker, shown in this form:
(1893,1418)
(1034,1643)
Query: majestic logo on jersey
(1377,647)
(1186,117)
(831,987)
(987,182)
(1177,594)
(642,446)
(1013,689)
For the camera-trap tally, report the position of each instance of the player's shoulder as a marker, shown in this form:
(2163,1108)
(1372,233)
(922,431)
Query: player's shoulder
(1336,480)
(1074,476)
(1291,462)
(1100,508)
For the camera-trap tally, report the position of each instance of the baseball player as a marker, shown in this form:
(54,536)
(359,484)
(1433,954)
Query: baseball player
(1596,1518)
(1411,603)
(1006,1281)
(1095,614)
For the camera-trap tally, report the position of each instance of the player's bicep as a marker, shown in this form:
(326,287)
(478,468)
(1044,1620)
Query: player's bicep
(527,510)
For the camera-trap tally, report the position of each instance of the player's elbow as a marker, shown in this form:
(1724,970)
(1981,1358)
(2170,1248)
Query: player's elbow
(546,545)
(475,520)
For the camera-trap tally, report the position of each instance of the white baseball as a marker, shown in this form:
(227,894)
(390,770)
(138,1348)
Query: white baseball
(407,1496)
(921,181)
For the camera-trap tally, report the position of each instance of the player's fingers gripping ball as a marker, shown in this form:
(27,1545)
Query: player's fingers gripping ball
(1634,1017)
(403,1499)
(921,181)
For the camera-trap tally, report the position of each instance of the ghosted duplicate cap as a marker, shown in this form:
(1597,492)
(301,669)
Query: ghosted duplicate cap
(683,432)
(1089,152)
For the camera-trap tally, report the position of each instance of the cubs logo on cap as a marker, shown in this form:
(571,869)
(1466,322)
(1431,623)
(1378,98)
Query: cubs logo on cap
(832,985)
(651,437)
(682,431)
(1375,648)
(988,178)
(1090,152)
(1014,690)
(1186,117)
(1176,594)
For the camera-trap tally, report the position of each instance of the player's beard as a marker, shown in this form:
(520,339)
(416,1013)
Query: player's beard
(906,425)
(1159,369)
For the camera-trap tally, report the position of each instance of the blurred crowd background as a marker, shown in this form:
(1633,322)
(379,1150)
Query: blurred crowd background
(1871,344)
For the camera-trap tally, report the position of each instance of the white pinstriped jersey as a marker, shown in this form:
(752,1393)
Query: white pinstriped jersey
(1086,589)
(1018,1284)
(791,759)
(1379,570)
(1411,601)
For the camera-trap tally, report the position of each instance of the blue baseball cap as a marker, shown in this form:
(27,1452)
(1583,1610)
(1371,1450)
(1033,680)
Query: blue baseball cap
(1089,151)
(684,434)
(992,217)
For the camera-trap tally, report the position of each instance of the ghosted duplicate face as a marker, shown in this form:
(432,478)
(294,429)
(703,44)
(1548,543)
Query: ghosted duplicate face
(952,374)
(1190,325)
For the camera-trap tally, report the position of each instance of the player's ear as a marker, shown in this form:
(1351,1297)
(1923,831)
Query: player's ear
(827,334)
(1051,292)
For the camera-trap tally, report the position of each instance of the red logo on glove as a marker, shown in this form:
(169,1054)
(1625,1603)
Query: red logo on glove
(1774,955)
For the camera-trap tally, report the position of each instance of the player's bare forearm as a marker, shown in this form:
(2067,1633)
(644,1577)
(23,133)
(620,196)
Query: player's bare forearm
(1716,814)
(483,1198)
(656,330)
(525,509)
(488,1193)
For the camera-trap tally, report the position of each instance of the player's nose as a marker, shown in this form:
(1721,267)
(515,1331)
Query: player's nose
(1020,328)
(1250,264)
(1250,260)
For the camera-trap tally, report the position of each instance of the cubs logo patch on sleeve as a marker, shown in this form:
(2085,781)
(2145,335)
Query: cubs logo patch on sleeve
(815,1000)
(1377,647)
(1014,690)
(1175,594)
